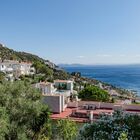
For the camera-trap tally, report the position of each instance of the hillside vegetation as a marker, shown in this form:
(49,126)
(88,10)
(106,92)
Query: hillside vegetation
(42,66)
(9,54)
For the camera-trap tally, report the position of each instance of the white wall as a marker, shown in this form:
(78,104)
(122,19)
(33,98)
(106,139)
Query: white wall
(2,67)
(55,103)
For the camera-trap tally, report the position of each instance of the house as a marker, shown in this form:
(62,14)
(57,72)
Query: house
(64,85)
(15,68)
(6,67)
(113,93)
(55,98)
(46,88)
(137,100)
(57,102)
(26,68)
(2,67)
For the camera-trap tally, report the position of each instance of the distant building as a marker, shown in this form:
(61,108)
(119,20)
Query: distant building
(50,64)
(15,69)
(77,74)
(113,93)
(137,100)
(26,68)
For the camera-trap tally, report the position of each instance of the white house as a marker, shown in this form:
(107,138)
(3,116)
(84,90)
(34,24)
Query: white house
(15,68)
(26,68)
(2,67)
(46,88)
(64,85)
(54,97)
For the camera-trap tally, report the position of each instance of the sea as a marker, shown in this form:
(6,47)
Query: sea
(123,76)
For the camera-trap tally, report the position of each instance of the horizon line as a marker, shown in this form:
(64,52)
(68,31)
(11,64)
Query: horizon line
(97,64)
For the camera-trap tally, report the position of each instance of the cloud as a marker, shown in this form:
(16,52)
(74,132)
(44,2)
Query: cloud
(81,56)
(104,55)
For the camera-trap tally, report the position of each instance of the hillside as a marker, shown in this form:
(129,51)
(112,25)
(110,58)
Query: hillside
(9,54)
(50,70)
(6,53)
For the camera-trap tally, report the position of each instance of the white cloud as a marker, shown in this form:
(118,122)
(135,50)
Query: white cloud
(81,56)
(104,55)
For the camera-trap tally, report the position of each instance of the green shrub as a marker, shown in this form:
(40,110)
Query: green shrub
(93,93)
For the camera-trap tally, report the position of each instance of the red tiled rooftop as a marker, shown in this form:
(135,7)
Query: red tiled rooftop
(62,115)
(68,111)
(66,114)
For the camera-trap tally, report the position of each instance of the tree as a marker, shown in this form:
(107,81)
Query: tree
(66,129)
(25,115)
(42,68)
(4,122)
(37,65)
(93,93)
(2,77)
(123,136)
(116,127)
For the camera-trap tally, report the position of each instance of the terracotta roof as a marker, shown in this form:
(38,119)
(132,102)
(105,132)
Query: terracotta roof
(62,115)
(68,111)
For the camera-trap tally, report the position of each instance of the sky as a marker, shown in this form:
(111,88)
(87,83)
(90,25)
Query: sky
(73,31)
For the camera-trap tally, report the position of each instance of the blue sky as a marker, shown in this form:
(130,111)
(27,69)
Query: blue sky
(73,31)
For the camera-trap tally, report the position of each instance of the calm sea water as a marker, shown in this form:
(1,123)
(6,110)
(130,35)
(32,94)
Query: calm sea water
(126,76)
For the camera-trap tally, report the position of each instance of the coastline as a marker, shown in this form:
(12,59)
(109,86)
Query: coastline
(125,77)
